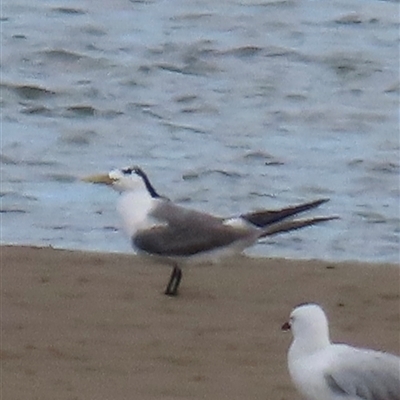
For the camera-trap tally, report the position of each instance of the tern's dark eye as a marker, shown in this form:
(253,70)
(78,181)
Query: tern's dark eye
(128,171)
(132,170)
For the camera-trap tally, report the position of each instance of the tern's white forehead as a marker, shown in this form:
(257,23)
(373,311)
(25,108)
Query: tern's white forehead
(126,179)
(123,172)
(115,174)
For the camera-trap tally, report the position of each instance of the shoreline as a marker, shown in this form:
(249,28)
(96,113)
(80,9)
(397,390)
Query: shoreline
(130,253)
(79,325)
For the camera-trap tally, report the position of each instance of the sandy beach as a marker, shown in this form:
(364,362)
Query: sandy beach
(79,325)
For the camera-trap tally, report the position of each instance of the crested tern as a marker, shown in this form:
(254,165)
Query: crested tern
(322,370)
(158,227)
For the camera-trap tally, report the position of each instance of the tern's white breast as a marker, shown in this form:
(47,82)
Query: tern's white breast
(134,209)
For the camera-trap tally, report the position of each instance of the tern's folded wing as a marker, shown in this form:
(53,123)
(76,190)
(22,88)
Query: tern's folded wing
(187,240)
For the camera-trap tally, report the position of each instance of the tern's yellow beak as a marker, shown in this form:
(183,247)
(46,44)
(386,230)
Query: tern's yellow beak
(101,178)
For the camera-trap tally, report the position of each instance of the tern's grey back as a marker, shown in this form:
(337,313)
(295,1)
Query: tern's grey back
(185,232)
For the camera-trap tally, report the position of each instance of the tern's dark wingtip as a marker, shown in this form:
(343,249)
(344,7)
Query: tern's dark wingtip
(321,201)
(333,217)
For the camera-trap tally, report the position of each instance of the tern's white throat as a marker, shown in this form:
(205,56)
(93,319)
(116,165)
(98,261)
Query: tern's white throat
(134,208)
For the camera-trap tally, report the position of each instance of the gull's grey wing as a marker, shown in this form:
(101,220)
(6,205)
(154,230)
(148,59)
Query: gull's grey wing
(185,232)
(365,375)
(263,218)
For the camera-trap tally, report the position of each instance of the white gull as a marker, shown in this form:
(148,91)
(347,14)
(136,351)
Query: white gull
(322,370)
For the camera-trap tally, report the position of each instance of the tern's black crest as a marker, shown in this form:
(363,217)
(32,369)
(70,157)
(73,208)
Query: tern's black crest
(138,171)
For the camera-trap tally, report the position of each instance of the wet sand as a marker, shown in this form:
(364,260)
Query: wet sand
(79,325)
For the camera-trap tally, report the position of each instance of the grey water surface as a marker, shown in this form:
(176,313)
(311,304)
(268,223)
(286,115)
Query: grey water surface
(228,105)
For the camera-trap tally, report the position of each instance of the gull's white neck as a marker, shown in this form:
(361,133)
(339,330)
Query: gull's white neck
(309,342)
(134,207)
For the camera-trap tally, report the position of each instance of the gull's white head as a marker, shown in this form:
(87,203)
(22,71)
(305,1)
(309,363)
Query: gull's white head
(309,327)
(125,180)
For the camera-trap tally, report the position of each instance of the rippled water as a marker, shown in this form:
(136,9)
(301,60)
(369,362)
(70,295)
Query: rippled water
(229,106)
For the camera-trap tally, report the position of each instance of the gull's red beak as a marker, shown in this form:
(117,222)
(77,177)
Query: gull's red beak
(286,326)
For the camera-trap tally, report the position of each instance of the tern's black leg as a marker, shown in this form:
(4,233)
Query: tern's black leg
(174,281)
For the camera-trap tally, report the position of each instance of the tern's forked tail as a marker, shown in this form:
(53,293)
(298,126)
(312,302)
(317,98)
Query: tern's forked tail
(263,218)
(286,226)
